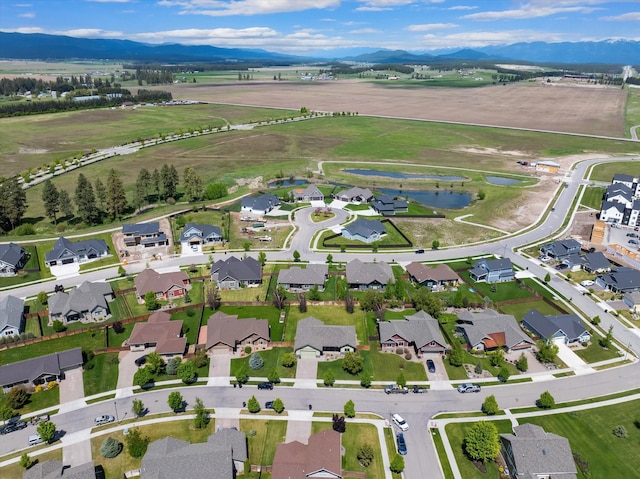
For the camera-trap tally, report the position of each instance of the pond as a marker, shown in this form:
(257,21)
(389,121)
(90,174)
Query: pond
(444,199)
(393,174)
(501,180)
(281,183)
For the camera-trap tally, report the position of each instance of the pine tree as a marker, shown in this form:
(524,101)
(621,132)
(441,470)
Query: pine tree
(116,196)
(101,193)
(85,200)
(143,184)
(156,182)
(51,200)
(66,206)
(193,187)
(13,202)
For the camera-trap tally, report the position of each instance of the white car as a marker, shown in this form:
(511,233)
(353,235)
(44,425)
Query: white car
(400,422)
(586,282)
(106,419)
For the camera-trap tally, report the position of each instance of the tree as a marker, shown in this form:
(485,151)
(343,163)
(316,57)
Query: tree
(6,412)
(136,443)
(66,206)
(490,406)
(213,191)
(110,448)
(142,377)
(365,379)
(547,277)
(85,200)
(288,360)
(607,340)
(425,300)
(175,401)
(193,185)
(329,378)
(187,372)
(200,359)
(17,397)
(401,380)
(169,179)
(372,300)
(546,351)
(435,244)
(25,461)
(137,407)
(150,301)
(296,256)
(398,289)
(456,356)
(279,297)
(329,258)
(116,196)
(155,363)
(352,362)
(51,200)
(278,405)
(349,303)
(522,363)
(202,417)
(262,257)
(213,295)
(172,366)
(58,326)
(339,424)
(42,297)
(504,374)
(365,455)
(302,302)
(497,358)
(156,182)
(482,442)
(46,430)
(143,184)
(242,375)
(273,376)
(397,464)
(546,401)
(350,409)
(256,361)
(253,406)
(13,203)
(101,193)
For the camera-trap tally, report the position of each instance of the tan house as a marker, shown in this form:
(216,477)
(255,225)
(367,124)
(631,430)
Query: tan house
(322,457)
(164,285)
(440,277)
(159,332)
(225,332)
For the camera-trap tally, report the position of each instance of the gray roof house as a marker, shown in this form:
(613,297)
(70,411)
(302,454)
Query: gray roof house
(232,273)
(148,235)
(67,252)
(304,279)
(364,230)
(314,338)
(492,270)
(531,452)
(221,457)
(11,316)
(41,369)
(561,249)
(88,302)
(57,470)
(419,330)
(12,258)
(562,328)
(368,275)
(198,234)
(595,262)
(489,330)
(259,205)
(632,300)
(310,193)
(388,205)
(354,195)
(620,280)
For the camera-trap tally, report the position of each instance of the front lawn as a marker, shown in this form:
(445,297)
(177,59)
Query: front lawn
(271,358)
(262,438)
(595,353)
(42,400)
(100,374)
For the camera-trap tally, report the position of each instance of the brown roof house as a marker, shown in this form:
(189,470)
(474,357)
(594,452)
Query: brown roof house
(419,331)
(438,278)
(322,457)
(164,285)
(159,332)
(226,332)
(314,338)
(489,330)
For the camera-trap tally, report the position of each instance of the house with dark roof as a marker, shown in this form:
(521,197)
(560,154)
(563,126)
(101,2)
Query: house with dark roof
(364,230)
(200,234)
(388,205)
(419,331)
(55,469)
(561,249)
(234,273)
(619,193)
(437,277)
(303,279)
(225,332)
(364,276)
(12,258)
(632,300)
(67,252)
(11,316)
(221,457)
(147,235)
(595,262)
(492,270)
(488,330)
(314,338)
(164,285)
(354,195)
(321,458)
(41,369)
(612,212)
(531,452)
(623,179)
(561,328)
(88,302)
(259,205)
(620,280)
(305,195)
(159,332)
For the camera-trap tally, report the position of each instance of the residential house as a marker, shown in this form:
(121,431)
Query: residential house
(621,201)
(12,258)
(306,195)
(632,300)
(159,332)
(365,230)
(11,316)
(612,212)
(88,302)
(595,262)
(163,285)
(226,332)
(303,279)
(419,331)
(492,270)
(561,249)
(619,193)
(199,234)
(388,205)
(620,280)
(41,369)
(259,205)
(235,273)
(560,329)
(67,252)
(624,179)
(148,235)
(436,278)
(354,195)
(55,469)
(531,452)
(221,457)
(321,458)
(314,338)
(488,330)
(368,275)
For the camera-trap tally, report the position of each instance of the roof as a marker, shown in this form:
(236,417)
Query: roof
(11,253)
(606,205)
(295,460)
(623,177)
(246,269)
(491,325)
(313,332)
(141,229)
(367,273)
(535,451)
(419,328)
(202,231)
(56,470)
(151,280)
(11,312)
(312,274)
(32,368)
(228,329)
(365,228)
(311,190)
(422,272)
(78,248)
(548,326)
(563,247)
(355,192)
(261,202)
(634,297)
(85,297)
(161,330)
(494,264)
(622,278)
(597,261)
(619,188)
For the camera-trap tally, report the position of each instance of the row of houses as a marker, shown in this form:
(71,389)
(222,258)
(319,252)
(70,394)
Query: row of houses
(621,201)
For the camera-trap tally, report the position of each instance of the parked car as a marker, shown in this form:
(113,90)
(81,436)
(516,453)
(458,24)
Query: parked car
(402,445)
(419,251)
(632,241)
(419,389)
(562,266)
(431,366)
(141,360)
(268,405)
(395,389)
(400,422)
(586,282)
(265,385)
(13,426)
(105,419)
(469,388)
(35,420)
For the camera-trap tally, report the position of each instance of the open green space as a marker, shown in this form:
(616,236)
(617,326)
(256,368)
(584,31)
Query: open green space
(632,110)
(498,291)
(272,360)
(518,310)
(100,374)
(605,171)
(592,197)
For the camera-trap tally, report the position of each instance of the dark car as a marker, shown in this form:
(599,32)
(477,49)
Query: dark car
(13,426)
(419,251)
(419,389)
(268,405)
(431,366)
(561,266)
(141,360)
(265,385)
(402,445)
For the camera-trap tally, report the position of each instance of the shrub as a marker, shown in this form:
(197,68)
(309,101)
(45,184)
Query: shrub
(278,405)
(273,376)
(490,406)
(522,363)
(253,406)
(350,409)
(399,350)
(136,443)
(352,363)
(118,328)
(407,356)
(478,368)
(200,359)
(110,448)
(456,356)
(620,432)
(58,326)
(52,385)
(504,374)
(256,361)
(17,397)
(339,424)
(39,388)
(172,366)
(365,455)
(25,461)
(546,401)
(397,464)
(187,372)
(365,380)
(329,378)
(288,360)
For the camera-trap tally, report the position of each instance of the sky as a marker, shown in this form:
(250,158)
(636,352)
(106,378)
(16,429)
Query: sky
(317,27)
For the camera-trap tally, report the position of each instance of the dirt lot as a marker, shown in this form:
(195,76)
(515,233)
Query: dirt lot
(554,107)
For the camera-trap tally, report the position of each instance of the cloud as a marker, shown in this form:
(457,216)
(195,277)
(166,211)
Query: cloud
(462,7)
(364,31)
(220,8)
(482,39)
(383,5)
(90,33)
(27,15)
(24,30)
(625,17)
(430,26)
(529,10)
(23,5)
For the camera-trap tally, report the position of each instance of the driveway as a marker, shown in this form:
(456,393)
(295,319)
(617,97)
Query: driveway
(71,389)
(439,379)
(219,369)
(306,373)
(126,369)
(299,426)
(65,270)
(79,449)
(572,360)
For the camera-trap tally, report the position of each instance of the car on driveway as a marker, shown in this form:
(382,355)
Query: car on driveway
(431,366)
(13,426)
(265,385)
(586,282)
(469,388)
(105,419)
(400,422)
(141,360)
(561,266)
(402,445)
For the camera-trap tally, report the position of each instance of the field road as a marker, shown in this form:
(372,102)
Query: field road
(634,132)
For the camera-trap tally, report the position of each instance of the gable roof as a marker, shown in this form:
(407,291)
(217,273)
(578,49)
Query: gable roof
(621,278)
(597,261)
(493,264)
(261,202)
(322,455)
(202,231)
(367,273)
(313,332)
(489,325)
(310,191)
(312,274)
(562,247)
(355,192)
(548,326)
(161,330)
(246,269)
(85,297)
(11,312)
(228,329)
(365,228)
(78,248)
(151,280)
(56,470)
(419,328)
(141,229)
(11,253)
(33,368)
(422,272)
(623,177)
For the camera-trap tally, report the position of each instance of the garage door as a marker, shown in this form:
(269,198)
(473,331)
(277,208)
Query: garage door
(558,340)
(307,354)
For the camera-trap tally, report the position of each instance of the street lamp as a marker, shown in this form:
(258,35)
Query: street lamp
(115,406)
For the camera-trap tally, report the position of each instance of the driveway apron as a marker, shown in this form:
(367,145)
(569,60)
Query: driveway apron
(306,373)
(219,369)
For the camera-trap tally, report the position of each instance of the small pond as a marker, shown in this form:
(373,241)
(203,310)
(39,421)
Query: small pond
(393,174)
(282,183)
(444,199)
(501,180)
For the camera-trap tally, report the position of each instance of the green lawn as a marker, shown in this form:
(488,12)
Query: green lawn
(191,323)
(270,313)
(41,400)
(262,444)
(116,339)
(271,358)
(594,353)
(102,375)
(503,291)
(329,315)
(88,340)
(15,470)
(518,310)
(118,308)
(592,197)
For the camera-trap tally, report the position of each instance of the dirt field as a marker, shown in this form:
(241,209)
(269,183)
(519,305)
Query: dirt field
(553,107)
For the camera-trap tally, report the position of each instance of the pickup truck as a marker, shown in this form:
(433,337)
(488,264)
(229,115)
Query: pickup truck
(395,389)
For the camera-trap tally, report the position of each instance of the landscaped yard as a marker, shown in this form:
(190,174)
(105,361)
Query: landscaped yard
(270,313)
(329,315)
(271,358)
(503,291)
(102,375)
(263,444)
(595,353)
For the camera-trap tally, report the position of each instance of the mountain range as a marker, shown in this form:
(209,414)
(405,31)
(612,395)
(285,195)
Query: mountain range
(57,47)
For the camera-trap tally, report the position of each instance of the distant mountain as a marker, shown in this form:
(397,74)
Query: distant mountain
(390,56)
(466,54)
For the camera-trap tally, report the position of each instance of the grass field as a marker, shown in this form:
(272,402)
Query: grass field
(262,444)
(103,374)
(632,111)
(593,197)
(329,315)
(605,171)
